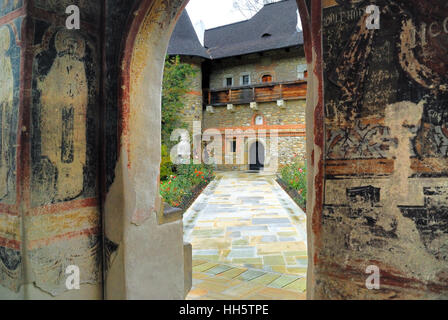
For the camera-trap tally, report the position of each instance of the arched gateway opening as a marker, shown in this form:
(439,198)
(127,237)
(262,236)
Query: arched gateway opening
(161,274)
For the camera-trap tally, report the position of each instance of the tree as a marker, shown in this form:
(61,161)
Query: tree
(250,7)
(176,83)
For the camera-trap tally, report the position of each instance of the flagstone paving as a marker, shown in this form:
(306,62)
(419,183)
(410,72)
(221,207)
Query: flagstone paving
(246,222)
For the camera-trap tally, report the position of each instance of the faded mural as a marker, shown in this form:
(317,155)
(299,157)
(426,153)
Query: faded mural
(63,131)
(8,6)
(9,91)
(10,256)
(386,96)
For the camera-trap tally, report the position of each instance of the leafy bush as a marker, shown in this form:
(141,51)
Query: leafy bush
(181,187)
(177,81)
(294,175)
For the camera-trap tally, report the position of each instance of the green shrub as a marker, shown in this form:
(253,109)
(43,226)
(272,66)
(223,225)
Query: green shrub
(294,175)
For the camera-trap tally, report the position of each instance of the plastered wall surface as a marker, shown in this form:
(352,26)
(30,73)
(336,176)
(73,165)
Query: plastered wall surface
(145,260)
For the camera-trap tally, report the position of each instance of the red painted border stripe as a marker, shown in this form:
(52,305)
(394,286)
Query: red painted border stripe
(10,244)
(35,244)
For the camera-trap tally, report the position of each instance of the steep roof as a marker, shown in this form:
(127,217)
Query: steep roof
(184,40)
(273,27)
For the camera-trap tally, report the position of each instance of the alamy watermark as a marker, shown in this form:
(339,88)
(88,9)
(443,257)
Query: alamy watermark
(74,20)
(373,280)
(73,280)
(373,20)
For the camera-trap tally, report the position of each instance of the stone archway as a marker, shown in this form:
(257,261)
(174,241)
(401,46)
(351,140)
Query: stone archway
(387,157)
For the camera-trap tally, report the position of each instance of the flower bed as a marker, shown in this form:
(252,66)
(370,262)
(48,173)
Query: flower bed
(293,180)
(181,189)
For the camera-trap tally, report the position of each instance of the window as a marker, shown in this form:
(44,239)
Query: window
(245,79)
(259,120)
(229,82)
(233,145)
(266,78)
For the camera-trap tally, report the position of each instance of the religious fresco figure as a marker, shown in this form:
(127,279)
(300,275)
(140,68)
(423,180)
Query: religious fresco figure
(6,105)
(64,101)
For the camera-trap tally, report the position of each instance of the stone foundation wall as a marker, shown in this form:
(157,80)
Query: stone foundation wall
(292,113)
(291,149)
(193,98)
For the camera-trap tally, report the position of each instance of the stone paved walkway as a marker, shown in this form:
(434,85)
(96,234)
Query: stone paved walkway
(245,221)
(214,281)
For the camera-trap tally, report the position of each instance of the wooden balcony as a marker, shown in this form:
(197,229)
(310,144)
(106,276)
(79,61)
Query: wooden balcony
(264,92)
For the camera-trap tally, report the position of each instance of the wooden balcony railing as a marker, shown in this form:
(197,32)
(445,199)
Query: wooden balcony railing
(263,92)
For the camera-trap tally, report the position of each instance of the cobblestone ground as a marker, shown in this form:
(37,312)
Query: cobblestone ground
(249,240)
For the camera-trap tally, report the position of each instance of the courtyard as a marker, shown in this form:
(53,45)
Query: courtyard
(248,238)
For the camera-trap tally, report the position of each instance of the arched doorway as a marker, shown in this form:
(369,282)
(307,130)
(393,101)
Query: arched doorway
(256,156)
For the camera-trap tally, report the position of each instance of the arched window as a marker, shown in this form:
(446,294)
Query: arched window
(266,78)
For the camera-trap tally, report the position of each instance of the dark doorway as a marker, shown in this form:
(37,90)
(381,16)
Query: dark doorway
(256,156)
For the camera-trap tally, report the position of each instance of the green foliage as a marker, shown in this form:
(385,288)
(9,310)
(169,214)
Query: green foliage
(176,83)
(294,175)
(166,167)
(181,186)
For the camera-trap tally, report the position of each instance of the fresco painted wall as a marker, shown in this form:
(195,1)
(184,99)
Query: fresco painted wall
(386,151)
(9,6)
(63,221)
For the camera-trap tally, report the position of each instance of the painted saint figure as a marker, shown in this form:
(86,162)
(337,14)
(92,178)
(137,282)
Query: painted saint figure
(6,105)
(64,100)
